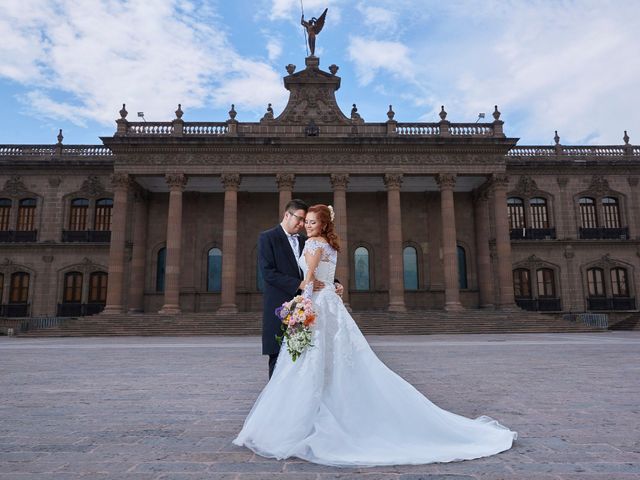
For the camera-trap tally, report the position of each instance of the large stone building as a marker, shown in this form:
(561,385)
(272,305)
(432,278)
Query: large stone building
(164,217)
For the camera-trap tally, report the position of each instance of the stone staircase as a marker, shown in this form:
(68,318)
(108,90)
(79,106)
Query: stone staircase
(424,322)
(632,322)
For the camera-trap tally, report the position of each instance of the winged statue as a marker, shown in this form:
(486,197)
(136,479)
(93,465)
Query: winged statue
(313,27)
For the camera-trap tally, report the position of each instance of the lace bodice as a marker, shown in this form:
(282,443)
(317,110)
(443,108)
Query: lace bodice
(326,270)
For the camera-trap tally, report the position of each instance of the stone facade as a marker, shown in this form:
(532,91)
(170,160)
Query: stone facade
(435,215)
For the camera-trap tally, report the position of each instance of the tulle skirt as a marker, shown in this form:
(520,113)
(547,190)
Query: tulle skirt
(339,405)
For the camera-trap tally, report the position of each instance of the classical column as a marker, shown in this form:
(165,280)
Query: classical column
(231,181)
(500,184)
(176,183)
(446,182)
(634,211)
(120,183)
(485,279)
(139,253)
(393,182)
(285,183)
(339,182)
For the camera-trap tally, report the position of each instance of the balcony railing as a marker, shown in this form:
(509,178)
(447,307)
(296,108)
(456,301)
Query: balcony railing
(94,236)
(614,303)
(604,233)
(69,309)
(14,310)
(533,233)
(14,236)
(540,304)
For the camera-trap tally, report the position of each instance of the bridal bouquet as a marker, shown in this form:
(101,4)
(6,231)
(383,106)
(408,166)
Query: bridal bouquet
(297,317)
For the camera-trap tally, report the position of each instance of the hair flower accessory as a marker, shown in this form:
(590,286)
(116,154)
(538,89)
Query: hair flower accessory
(332,214)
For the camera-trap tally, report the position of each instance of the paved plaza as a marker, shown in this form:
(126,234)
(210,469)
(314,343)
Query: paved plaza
(158,408)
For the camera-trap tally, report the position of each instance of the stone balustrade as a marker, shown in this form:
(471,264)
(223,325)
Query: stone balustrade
(53,150)
(574,151)
(418,129)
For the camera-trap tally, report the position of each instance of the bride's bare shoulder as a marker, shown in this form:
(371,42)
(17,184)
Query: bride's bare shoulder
(317,239)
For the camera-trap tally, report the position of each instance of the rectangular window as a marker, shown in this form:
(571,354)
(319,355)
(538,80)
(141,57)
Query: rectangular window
(19,288)
(521,283)
(5,214)
(78,218)
(98,288)
(26,218)
(619,286)
(103,217)
(72,288)
(546,287)
(611,216)
(595,280)
(588,215)
(516,215)
(539,216)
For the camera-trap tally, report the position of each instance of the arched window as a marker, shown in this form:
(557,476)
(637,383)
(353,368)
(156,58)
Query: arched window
(361,262)
(410,265)
(160,267)
(515,209)
(26,214)
(462,268)
(595,281)
(539,214)
(588,212)
(521,283)
(102,222)
(72,288)
(5,213)
(619,284)
(611,212)
(546,283)
(19,292)
(78,214)
(98,287)
(214,270)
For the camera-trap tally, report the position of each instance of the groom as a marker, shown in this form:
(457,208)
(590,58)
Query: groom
(278,251)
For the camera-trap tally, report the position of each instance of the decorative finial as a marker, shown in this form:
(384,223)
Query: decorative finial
(391,113)
(123,112)
(354,111)
(556,138)
(232,112)
(269,114)
(179,112)
(269,109)
(625,138)
(61,137)
(443,113)
(496,114)
(290,68)
(333,69)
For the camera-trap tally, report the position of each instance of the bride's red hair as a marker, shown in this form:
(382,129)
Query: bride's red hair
(328,227)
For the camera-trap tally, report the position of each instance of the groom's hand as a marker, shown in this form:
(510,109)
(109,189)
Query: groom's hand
(339,289)
(317,285)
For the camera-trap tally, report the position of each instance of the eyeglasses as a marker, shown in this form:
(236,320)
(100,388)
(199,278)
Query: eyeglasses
(298,218)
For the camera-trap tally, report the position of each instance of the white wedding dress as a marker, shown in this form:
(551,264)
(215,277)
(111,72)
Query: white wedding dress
(338,404)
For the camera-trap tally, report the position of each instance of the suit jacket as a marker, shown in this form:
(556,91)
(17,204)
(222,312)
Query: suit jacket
(282,278)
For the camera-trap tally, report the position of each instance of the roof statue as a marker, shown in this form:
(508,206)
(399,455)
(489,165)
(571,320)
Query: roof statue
(313,27)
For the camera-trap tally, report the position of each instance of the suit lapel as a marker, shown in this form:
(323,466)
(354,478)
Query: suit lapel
(286,246)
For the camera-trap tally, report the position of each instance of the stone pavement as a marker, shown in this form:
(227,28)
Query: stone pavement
(167,408)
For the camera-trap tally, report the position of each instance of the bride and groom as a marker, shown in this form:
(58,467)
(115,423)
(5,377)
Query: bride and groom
(338,404)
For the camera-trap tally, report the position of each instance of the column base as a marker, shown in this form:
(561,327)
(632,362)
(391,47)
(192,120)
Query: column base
(453,307)
(227,309)
(397,307)
(170,310)
(112,310)
(134,311)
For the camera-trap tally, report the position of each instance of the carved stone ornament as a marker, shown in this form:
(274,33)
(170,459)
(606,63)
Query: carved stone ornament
(500,180)
(533,262)
(633,181)
(231,181)
(393,180)
(47,258)
(446,180)
(120,180)
(569,253)
(526,186)
(54,181)
(339,181)
(14,186)
(176,180)
(599,185)
(92,187)
(285,181)
(562,181)
(6,262)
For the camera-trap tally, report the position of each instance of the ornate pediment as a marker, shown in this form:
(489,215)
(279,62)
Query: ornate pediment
(526,186)
(312,96)
(92,187)
(15,186)
(599,185)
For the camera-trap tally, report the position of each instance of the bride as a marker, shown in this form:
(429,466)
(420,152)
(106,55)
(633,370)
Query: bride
(338,404)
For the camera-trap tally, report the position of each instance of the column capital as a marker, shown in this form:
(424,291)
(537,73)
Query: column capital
(339,181)
(446,180)
(176,180)
(500,181)
(231,181)
(285,181)
(393,181)
(120,180)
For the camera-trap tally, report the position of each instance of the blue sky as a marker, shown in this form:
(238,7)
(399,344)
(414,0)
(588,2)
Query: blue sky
(566,65)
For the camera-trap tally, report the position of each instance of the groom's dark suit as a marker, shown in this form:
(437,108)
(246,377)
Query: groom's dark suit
(282,278)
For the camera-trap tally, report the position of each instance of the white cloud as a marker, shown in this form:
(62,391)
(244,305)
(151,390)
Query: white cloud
(82,60)
(370,56)
(290,9)
(378,19)
(274,48)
